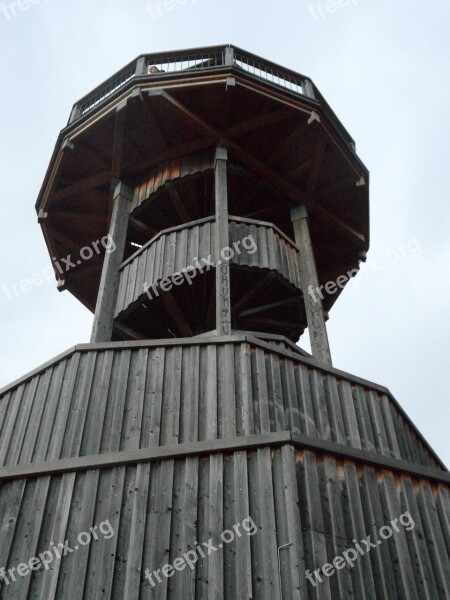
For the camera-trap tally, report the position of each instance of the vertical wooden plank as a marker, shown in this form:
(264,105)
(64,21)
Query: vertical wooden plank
(12,494)
(279,394)
(412,444)
(133,567)
(271,242)
(27,532)
(284,257)
(159,258)
(308,422)
(60,423)
(60,516)
(190,395)
(73,575)
(10,424)
(312,521)
(170,425)
(403,569)
(319,403)
(102,552)
(169,256)
(208,394)
(153,398)
(385,406)
(288,524)
(38,427)
(134,401)
(260,392)
(290,272)
(381,440)
(263,543)
(349,415)
(123,533)
(334,409)
(184,526)
(416,539)
(381,560)
(244,398)
(443,509)
(18,431)
(150,265)
(204,241)
(194,246)
(49,413)
(181,250)
(81,396)
(140,277)
(434,539)
(95,418)
(292,398)
(133,272)
(237,555)
(330,477)
(261,255)
(7,403)
(201,573)
(121,294)
(226,397)
(116,404)
(362,575)
(400,429)
(158,528)
(364,419)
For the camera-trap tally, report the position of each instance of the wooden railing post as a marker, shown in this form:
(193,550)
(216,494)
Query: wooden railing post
(140,66)
(229,56)
(75,114)
(308,276)
(102,328)
(223,294)
(308,88)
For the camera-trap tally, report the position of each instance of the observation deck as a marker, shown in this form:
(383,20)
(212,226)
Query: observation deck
(155,125)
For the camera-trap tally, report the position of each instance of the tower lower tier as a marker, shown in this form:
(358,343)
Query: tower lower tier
(215,468)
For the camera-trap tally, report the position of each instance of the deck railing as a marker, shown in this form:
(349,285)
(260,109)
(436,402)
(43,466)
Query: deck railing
(167,64)
(180,247)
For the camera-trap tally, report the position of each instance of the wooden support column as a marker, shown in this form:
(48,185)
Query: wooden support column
(223,293)
(308,276)
(109,283)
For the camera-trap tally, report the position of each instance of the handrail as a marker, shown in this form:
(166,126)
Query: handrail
(165,62)
(206,59)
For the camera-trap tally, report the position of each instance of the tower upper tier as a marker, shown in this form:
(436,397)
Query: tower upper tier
(155,125)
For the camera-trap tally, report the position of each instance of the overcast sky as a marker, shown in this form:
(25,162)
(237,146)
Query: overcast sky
(384,68)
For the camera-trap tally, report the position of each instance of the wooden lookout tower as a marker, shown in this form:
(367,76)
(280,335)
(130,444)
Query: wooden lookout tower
(208,207)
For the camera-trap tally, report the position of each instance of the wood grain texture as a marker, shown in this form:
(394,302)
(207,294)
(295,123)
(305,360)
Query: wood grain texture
(160,510)
(136,397)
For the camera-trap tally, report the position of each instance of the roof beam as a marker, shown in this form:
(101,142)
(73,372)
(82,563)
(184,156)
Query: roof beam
(83,185)
(176,313)
(178,203)
(259,121)
(272,177)
(272,305)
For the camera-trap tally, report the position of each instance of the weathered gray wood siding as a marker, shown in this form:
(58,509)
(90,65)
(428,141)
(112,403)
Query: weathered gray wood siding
(159,510)
(181,247)
(170,171)
(141,395)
